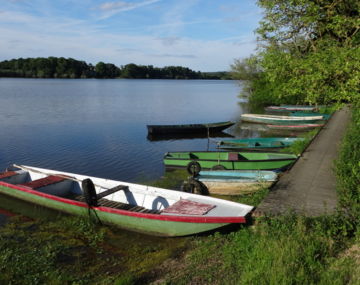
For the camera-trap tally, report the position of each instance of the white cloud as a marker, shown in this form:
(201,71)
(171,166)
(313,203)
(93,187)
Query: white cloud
(110,9)
(25,35)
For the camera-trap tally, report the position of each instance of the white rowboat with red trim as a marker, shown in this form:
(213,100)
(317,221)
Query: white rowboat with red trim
(135,207)
(280,120)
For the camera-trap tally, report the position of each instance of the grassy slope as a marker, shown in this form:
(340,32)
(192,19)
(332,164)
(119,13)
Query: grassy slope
(286,250)
(289,249)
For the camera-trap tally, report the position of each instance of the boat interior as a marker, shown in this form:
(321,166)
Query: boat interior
(114,194)
(66,187)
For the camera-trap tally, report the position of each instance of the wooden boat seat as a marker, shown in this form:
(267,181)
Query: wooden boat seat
(14,177)
(233,156)
(42,182)
(111,191)
(8,174)
(102,202)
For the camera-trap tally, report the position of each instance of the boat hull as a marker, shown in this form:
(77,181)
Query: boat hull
(285,108)
(130,206)
(223,160)
(280,120)
(143,223)
(188,129)
(235,187)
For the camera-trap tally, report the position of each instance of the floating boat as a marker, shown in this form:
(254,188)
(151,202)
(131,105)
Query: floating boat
(257,143)
(229,182)
(155,137)
(130,206)
(280,120)
(308,114)
(285,108)
(221,160)
(189,128)
(300,127)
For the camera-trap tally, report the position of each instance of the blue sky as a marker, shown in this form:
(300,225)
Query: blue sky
(205,35)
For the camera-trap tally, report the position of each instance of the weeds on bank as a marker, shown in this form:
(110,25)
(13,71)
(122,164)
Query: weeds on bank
(38,252)
(299,146)
(289,249)
(284,250)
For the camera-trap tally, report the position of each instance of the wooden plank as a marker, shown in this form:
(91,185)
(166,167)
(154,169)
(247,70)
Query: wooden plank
(111,191)
(52,179)
(8,174)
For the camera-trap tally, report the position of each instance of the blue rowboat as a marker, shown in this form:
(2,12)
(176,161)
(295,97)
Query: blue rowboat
(258,143)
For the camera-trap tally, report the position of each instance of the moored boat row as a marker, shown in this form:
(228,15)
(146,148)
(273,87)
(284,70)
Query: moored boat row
(241,166)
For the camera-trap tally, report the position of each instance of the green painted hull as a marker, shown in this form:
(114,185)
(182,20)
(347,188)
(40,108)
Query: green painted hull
(230,160)
(309,114)
(140,224)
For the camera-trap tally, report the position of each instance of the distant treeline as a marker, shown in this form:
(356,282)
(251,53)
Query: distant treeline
(59,67)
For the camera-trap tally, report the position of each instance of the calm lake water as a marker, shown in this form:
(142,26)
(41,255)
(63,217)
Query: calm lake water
(98,127)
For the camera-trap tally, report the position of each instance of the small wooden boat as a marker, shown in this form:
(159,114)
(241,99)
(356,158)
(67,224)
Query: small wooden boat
(285,108)
(189,128)
(280,120)
(130,206)
(155,137)
(308,114)
(300,127)
(221,160)
(257,143)
(230,182)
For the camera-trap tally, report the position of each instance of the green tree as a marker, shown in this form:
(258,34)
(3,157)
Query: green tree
(309,52)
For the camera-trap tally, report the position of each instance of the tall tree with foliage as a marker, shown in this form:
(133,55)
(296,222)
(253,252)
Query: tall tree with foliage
(309,52)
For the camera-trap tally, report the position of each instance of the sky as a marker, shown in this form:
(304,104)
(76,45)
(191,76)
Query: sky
(204,35)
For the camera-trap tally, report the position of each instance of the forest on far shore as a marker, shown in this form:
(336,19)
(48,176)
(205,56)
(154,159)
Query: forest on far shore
(60,67)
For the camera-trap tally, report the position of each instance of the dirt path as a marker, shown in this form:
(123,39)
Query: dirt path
(309,187)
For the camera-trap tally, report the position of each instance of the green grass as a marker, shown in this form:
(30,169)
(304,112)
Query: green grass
(288,249)
(71,250)
(299,146)
(284,250)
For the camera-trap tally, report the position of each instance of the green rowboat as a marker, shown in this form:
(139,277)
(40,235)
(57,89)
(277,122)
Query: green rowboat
(229,160)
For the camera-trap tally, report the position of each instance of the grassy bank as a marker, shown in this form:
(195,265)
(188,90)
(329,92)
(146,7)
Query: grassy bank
(290,249)
(71,250)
